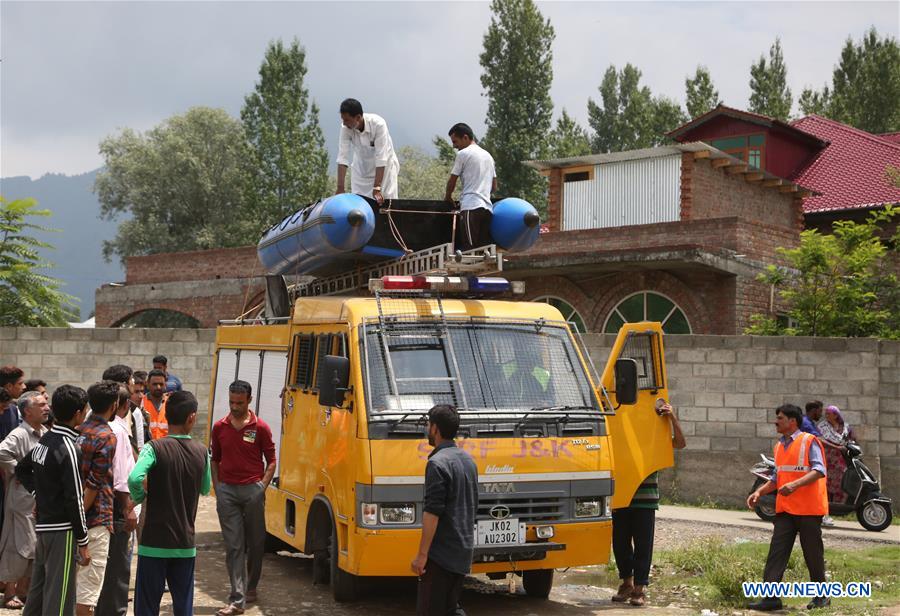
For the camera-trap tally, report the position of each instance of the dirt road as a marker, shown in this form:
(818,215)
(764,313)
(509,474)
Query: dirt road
(287,587)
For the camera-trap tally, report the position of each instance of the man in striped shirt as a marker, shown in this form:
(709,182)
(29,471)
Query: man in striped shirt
(50,471)
(633,528)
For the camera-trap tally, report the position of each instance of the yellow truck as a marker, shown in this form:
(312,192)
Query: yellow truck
(346,383)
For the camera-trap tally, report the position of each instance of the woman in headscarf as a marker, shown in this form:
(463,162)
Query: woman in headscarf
(835,434)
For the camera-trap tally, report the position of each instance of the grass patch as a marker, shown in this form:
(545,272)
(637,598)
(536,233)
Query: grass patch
(709,573)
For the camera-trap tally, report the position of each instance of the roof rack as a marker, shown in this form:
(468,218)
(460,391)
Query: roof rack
(440,259)
(437,260)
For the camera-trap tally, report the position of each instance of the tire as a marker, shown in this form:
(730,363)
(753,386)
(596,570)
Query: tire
(321,567)
(874,516)
(538,582)
(343,585)
(764,509)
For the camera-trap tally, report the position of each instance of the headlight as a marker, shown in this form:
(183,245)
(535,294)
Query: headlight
(404,513)
(544,532)
(588,507)
(369,514)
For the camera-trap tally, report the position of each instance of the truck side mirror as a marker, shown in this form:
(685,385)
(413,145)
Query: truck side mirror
(333,378)
(626,381)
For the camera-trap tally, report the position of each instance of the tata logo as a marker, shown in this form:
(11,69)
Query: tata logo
(499,488)
(499,512)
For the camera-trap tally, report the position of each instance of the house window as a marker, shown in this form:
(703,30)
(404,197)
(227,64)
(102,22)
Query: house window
(648,306)
(748,148)
(578,174)
(568,311)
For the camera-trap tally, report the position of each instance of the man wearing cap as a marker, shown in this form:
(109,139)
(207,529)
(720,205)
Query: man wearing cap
(374,168)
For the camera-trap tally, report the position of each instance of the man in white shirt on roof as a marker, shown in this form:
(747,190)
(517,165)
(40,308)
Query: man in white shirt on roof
(479,179)
(374,166)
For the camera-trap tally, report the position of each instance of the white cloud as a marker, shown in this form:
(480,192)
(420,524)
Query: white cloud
(73,73)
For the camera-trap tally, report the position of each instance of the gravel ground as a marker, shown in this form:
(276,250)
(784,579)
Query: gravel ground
(287,588)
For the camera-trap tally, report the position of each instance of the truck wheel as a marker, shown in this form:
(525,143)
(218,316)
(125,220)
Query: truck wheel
(321,567)
(874,516)
(538,582)
(343,584)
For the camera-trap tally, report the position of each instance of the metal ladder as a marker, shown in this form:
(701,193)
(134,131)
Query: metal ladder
(391,329)
(441,259)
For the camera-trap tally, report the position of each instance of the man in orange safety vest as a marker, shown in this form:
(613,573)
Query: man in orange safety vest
(800,503)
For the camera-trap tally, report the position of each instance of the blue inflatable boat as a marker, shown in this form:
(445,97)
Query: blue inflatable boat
(345,231)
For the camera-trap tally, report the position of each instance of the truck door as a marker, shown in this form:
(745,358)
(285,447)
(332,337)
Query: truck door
(641,440)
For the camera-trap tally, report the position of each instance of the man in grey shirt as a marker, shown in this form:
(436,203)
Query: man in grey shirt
(448,521)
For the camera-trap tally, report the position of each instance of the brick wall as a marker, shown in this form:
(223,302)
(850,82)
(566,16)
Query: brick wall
(194,265)
(715,193)
(725,388)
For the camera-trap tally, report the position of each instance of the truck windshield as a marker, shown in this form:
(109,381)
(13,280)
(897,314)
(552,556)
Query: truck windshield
(477,365)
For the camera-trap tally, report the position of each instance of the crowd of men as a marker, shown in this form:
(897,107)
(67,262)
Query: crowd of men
(87,474)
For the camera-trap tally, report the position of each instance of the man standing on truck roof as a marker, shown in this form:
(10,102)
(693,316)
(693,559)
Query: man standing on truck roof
(451,503)
(375,166)
(634,527)
(239,442)
(479,179)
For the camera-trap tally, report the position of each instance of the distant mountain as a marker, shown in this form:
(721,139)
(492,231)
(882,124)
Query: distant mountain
(78,255)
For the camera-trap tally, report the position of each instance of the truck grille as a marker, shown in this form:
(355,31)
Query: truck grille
(538,509)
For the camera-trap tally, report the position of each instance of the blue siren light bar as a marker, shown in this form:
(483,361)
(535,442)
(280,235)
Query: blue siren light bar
(447,284)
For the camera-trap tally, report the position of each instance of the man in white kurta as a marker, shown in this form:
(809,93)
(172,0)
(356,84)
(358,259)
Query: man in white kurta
(18,540)
(365,147)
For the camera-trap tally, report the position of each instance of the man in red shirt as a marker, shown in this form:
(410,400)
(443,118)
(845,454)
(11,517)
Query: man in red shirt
(239,443)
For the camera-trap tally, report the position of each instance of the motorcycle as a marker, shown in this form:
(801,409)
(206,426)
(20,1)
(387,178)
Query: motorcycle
(873,509)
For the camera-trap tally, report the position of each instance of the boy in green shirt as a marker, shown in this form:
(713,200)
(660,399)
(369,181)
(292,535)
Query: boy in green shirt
(177,470)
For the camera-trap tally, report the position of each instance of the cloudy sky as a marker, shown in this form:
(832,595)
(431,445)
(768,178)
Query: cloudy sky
(75,72)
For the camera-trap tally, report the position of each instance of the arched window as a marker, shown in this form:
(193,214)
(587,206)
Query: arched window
(648,306)
(568,310)
(160,317)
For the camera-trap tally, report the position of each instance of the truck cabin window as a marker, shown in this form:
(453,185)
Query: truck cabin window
(492,366)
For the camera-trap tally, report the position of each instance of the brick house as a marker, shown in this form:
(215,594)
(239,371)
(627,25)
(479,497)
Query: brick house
(844,165)
(675,233)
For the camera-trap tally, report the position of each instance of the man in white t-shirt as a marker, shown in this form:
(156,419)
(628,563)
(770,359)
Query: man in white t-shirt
(374,167)
(479,179)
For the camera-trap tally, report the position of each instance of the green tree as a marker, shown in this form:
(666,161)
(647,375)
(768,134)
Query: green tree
(445,150)
(700,93)
(865,86)
(568,138)
(288,158)
(628,116)
(815,102)
(769,92)
(422,176)
(27,296)
(517,64)
(841,284)
(181,185)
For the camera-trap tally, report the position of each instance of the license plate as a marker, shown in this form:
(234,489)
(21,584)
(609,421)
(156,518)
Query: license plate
(500,532)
